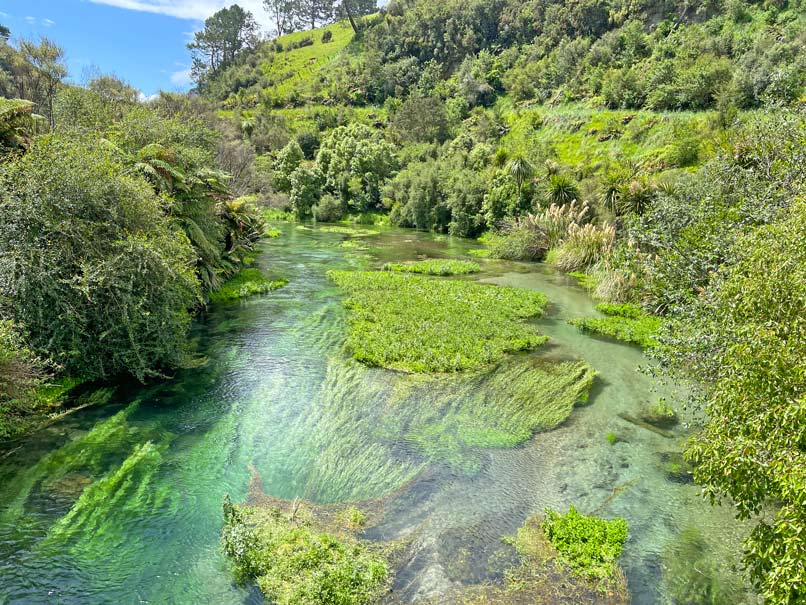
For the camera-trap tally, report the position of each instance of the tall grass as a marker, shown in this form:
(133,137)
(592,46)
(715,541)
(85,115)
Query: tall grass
(583,247)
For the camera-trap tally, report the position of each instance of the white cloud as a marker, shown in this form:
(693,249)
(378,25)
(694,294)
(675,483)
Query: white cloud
(189,9)
(48,23)
(30,20)
(181,78)
(143,98)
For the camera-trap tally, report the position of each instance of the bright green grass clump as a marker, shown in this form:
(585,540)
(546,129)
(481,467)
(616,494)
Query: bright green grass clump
(420,324)
(435,267)
(246,282)
(627,322)
(589,545)
(296,559)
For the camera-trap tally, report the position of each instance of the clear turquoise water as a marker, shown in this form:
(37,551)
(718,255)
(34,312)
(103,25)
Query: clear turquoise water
(88,515)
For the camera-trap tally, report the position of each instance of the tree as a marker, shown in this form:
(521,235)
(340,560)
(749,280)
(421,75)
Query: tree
(225,36)
(355,9)
(521,170)
(5,33)
(46,72)
(284,12)
(311,12)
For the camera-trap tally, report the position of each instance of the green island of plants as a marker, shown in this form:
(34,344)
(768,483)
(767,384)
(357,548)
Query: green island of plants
(435,267)
(247,282)
(625,322)
(296,556)
(299,552)
(419,324)
(589,545)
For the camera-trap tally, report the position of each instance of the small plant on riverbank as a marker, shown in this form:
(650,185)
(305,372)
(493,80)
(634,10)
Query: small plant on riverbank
(420,324)
(625,322)
(247,282)
(589,545)
(435,267)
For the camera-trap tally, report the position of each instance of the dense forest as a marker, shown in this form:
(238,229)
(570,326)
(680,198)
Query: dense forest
(653,149)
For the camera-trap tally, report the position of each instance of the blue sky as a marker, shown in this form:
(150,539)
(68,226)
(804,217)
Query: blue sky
(141,41)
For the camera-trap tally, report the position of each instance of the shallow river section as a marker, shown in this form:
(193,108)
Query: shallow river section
(122,503)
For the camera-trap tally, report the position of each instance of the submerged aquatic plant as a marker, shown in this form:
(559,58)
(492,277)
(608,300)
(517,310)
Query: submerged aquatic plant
(418,324)
(86,453)
(435,267)
(125,491)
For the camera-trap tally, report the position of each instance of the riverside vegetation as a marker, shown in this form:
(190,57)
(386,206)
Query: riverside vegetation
(653,147)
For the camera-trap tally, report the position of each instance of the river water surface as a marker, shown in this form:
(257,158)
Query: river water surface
(122,503)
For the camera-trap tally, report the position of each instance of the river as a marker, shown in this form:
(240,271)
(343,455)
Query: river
(122,503)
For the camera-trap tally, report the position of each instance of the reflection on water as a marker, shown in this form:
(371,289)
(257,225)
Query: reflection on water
(122,504)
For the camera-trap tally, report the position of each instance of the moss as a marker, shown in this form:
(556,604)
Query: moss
(435,267)
(247,282)
(271,233)
(626,322)
(419,324)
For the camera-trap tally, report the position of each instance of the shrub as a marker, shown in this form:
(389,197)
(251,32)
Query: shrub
(21,372)
(561,189)
(92,267)
(329,209)
(327,36)
(589,545)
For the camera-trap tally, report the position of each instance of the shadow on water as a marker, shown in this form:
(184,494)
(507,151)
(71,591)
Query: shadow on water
(122,503)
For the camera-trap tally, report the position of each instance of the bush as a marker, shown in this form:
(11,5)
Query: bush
(21,372)
(329,209)
(327,36)
(92,268)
